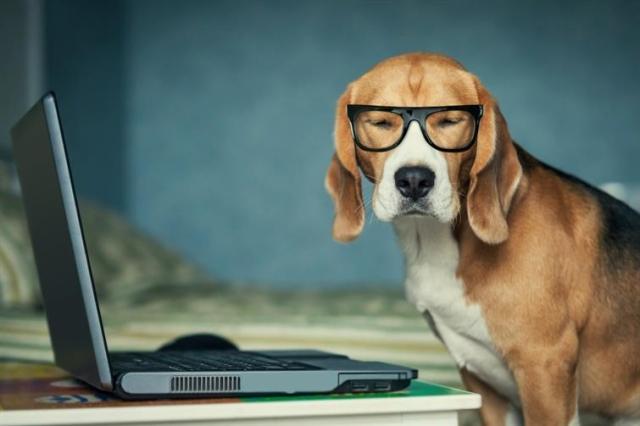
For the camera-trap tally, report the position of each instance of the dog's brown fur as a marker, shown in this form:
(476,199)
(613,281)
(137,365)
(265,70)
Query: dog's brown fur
(553,262)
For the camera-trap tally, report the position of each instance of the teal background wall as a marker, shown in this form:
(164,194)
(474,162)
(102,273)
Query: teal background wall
(209,124)
(86,66)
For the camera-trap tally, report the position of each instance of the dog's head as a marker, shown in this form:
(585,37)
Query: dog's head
(415,177)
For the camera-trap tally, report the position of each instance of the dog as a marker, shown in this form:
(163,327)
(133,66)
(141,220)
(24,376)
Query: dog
(529,276)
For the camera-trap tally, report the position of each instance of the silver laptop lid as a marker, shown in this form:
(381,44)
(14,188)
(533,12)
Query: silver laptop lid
(59,248)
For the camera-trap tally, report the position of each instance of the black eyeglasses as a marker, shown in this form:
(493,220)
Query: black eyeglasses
(446,128)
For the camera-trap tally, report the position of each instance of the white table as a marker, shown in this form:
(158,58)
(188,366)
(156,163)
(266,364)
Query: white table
(422,404)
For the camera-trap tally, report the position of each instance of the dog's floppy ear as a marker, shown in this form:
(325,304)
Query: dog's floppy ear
(343,179)
(495,174)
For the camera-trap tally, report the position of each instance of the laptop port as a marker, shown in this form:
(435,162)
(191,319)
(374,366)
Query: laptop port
(359,387)
(382,386)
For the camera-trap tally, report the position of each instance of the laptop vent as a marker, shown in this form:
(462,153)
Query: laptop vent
(190,384)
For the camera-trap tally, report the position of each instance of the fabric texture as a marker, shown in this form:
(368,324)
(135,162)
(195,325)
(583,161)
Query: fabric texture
(367,324)
(123,260)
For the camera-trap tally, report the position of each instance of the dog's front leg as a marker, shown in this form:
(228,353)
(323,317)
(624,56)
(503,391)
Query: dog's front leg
(495,409)
(548,390)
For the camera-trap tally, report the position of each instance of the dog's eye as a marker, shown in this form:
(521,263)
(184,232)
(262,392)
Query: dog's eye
(381,124)
(446,122)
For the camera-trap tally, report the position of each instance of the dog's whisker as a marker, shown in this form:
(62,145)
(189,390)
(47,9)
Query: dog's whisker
(372,217)
(366,202)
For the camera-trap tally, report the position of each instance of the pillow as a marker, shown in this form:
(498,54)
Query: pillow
(18,277)
(123,260)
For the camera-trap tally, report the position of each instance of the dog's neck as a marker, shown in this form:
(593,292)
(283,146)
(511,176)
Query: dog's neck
(431,252)
(424,239)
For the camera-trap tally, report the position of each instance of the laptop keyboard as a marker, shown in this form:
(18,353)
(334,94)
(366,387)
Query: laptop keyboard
(201,361)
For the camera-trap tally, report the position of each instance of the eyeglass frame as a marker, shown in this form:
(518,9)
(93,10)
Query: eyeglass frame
(410,114)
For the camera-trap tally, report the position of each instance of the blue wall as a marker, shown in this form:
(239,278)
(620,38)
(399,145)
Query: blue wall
(85,56)
(218,115)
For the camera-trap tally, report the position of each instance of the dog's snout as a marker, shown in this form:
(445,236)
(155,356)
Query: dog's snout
(414,182)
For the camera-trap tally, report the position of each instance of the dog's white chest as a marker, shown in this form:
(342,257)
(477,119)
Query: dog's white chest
(431,285)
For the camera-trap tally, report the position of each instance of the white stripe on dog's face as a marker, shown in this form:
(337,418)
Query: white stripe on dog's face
(414,150)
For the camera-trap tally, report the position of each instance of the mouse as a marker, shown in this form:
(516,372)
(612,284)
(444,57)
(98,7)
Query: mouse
(199,342)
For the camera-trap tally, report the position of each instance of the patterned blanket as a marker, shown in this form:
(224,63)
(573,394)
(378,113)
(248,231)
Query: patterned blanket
(365,324)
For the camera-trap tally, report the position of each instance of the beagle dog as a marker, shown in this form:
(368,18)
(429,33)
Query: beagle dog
(529,276)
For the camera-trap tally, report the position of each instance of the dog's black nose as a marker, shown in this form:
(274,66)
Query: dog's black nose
(414,182)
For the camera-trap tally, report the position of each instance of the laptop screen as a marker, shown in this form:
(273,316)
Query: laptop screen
(59,248)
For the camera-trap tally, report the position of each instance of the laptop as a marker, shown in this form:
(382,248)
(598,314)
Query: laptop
(75,324)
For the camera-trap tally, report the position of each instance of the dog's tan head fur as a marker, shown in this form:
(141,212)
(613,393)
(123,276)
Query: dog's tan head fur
(482,179)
